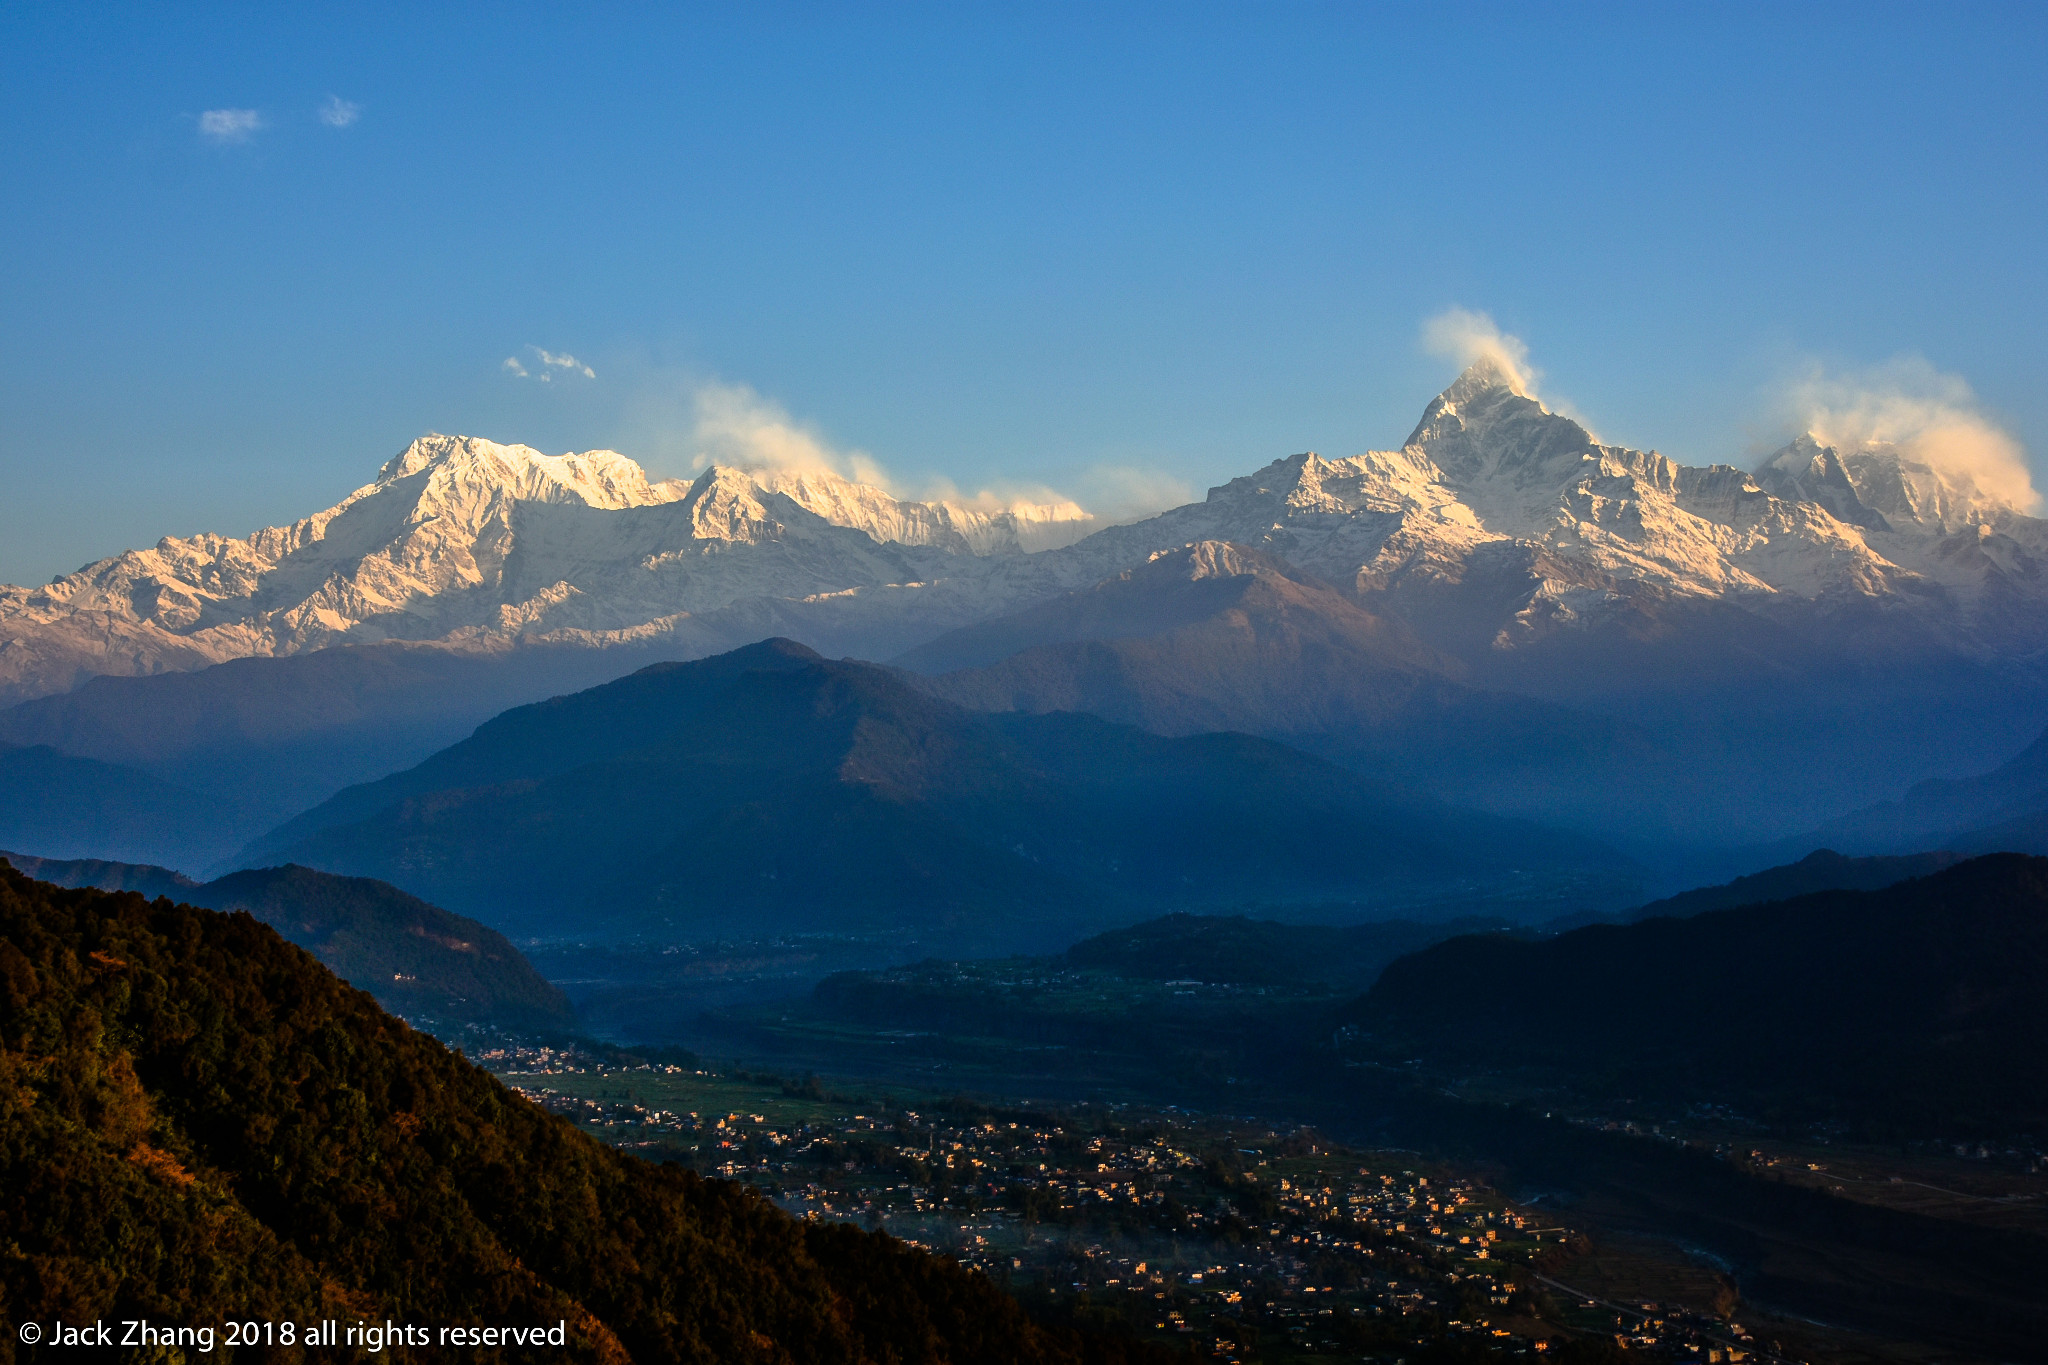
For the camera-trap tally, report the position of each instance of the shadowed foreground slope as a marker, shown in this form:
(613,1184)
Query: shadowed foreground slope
(198,1122)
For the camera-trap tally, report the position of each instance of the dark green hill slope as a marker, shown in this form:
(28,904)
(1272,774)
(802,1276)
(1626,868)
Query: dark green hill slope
(416,959)
(1915,1008)
(770,790)
(198,1122)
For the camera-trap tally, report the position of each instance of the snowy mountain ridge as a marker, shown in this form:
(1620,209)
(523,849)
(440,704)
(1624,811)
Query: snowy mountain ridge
(1491,479)
(469,544)
(1020,528)
(473,543)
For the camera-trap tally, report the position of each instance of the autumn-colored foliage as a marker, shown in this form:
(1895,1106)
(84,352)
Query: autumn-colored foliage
(199,1123)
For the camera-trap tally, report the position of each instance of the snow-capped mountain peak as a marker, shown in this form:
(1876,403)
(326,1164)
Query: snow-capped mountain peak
(1483,427)
(595,478)
(460,539)
(1808,471)
(1205,559)
(1483,376)
(1885,487)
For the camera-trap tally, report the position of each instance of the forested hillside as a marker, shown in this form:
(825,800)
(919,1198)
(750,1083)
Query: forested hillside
(198,1122)
(438,969)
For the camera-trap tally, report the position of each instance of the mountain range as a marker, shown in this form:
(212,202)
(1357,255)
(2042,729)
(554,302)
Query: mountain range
(2004,809)
(213,758)
(477,546)
(1517,516)
(1505,612)
(1821,870)
(1501,676)
(71,807)
(1218,636)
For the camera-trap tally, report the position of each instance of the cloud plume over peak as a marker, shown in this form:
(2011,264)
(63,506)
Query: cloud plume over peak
(738,427)
(1467,337)
(1928,416)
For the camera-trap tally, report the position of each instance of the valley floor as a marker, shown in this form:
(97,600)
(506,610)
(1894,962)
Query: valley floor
(1246,1241)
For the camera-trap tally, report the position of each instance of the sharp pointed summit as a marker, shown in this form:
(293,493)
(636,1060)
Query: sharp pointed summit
(1484,375)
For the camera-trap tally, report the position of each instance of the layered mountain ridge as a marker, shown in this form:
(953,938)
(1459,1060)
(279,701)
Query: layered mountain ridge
(1908,1009)
(771,787)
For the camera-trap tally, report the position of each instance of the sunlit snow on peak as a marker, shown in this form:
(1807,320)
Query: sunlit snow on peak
(1907,413)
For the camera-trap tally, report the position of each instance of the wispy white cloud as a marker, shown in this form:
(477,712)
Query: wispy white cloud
(1465,336)
(549,363)
(230,125)
(564,361)
(1927,415)
(340,113)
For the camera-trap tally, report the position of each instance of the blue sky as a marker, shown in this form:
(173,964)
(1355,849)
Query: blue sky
(1104,249)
